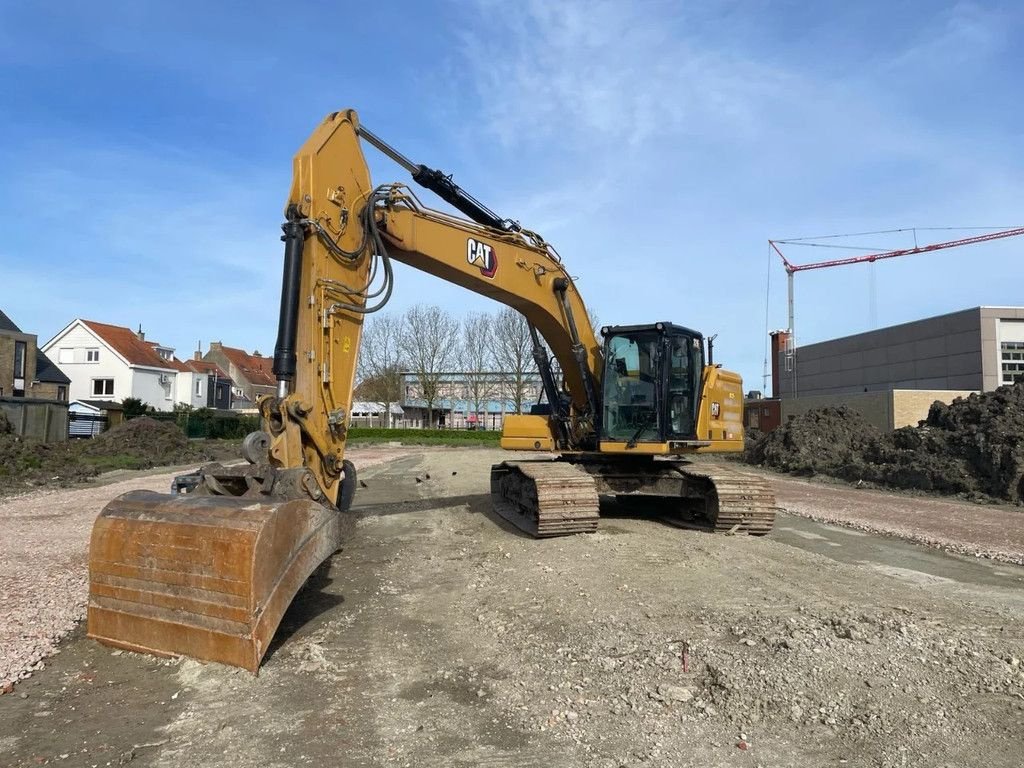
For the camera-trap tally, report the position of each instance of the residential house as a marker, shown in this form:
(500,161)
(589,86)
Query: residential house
(251,374)
(110,362)
(25,370)
(209,383)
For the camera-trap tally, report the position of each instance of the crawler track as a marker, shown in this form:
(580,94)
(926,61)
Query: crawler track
(545,498)
(733,499)
(559,498)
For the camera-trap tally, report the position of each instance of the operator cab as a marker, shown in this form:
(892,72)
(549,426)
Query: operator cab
(652,383)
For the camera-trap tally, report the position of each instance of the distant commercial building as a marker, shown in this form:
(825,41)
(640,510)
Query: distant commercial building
(468,400)
(893,375)
(366,414)
(975,349)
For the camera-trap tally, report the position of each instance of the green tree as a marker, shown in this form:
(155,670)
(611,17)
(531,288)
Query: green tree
(133,407)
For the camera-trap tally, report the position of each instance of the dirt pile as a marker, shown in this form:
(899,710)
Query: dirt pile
(825,440)
(147,440)
(137,444)
(973,447)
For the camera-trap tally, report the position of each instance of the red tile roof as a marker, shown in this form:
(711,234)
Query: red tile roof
(256,368)
(126,343)
(207,367)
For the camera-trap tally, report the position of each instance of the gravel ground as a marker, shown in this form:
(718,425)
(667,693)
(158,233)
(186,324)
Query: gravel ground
(441,637)
(44,572)
(994,531)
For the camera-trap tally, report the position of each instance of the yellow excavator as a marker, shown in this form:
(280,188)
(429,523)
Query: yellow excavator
(209,570)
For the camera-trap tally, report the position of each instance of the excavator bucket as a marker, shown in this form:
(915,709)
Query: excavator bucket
(202,576)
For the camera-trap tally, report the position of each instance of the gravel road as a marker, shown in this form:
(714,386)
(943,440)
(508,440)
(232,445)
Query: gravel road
(439,637)
(44,570)
(982,530)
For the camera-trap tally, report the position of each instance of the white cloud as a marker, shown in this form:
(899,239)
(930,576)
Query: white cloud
(609,71)
(662,155)
(964,33)
(143,236)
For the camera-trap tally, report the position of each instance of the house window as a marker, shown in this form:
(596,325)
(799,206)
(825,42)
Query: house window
(19,369)
(103,386)
(19,359)
(92,355)
(65,355)
(62,394)
(199,386)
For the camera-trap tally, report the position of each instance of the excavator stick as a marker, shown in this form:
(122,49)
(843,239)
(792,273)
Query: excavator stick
(208,577)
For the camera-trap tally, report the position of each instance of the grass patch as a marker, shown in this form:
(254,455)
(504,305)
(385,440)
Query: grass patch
(483,438)
(117,461)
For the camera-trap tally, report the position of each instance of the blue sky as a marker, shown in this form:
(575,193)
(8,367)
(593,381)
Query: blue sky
(146,151)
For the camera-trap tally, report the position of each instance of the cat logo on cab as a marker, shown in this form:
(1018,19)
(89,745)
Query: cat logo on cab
(482,255)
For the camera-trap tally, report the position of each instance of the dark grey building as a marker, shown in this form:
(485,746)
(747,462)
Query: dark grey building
(974,349)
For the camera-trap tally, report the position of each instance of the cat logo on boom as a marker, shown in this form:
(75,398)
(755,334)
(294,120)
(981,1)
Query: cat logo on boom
(482,255)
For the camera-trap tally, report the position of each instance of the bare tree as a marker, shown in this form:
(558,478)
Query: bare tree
(513,352)
(381,363)
(477,360)
(430,344)
(593,317)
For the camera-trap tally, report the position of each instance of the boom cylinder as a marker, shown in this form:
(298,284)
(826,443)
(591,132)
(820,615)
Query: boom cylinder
(288,322)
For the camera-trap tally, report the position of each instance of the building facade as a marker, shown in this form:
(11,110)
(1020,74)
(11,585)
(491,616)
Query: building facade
(251,374)
(891,376)
(110,363)
(468,400)
(25,370)
(975,349)
(209,386)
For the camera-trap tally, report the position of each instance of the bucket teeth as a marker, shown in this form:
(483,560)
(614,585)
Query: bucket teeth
(208,577)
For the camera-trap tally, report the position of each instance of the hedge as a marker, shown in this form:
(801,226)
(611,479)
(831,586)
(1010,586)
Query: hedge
(211,424)
(377,434)
(217,425)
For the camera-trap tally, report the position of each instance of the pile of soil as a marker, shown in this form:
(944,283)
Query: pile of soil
(141,443)
(151,441)
(972,447)
(825,440)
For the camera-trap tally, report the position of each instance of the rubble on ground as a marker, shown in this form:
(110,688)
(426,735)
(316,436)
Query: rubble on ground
(971,447)
(140,443)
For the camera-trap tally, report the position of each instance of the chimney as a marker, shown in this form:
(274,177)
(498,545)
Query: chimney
(199,350)
(140,334)
(778,346)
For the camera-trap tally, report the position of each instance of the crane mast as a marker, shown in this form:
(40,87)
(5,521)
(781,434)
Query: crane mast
(868,258)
